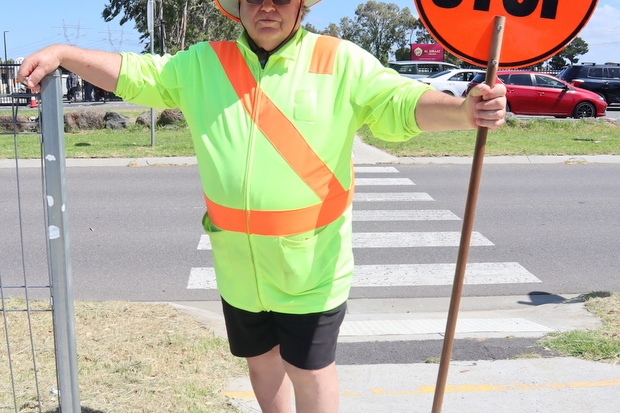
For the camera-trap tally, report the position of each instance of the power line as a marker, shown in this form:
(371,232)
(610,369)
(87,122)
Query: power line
(116,42)
(72,32)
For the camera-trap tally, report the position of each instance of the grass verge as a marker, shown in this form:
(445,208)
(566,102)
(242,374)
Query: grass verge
(132,357)
(598,345)
(516,137)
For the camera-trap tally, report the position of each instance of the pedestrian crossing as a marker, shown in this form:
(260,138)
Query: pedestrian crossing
(386,274)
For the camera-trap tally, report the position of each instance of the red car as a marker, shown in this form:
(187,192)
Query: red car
(533,93)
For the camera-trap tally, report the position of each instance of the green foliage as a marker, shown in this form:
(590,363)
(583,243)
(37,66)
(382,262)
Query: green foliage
(184,22)
(570,53)
(379,27)
(404,53)
(586,344)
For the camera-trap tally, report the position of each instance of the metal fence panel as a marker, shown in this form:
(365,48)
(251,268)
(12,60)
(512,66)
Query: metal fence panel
(35,271)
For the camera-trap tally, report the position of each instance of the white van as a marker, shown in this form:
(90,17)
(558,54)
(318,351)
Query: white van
(419,68)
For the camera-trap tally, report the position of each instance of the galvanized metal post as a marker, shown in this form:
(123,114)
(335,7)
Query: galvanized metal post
(52,131)
(150,13)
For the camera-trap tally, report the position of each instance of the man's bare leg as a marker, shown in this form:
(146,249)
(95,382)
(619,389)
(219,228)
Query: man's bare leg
(316,391)
(270,382)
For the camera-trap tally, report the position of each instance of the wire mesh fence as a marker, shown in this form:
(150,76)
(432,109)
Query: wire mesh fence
(38,363)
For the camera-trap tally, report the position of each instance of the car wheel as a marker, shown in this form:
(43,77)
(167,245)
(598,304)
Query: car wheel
(584,110)
(447,92)
(508,108)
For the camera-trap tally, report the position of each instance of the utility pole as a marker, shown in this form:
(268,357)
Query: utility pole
(5,54)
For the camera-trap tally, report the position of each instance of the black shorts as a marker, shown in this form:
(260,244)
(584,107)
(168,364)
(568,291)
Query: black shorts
(307,341)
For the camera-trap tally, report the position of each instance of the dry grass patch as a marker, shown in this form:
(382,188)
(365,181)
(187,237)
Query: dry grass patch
(131,357)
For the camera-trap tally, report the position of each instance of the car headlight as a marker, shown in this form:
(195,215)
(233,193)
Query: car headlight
(600,97)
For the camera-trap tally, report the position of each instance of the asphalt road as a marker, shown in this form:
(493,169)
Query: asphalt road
(134,231)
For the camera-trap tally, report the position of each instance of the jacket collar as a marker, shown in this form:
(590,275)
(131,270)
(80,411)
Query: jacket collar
(288,50)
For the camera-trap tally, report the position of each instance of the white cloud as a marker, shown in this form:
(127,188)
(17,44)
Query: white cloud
(602,33)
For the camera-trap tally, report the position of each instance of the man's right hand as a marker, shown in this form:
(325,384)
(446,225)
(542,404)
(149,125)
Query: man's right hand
(37,65)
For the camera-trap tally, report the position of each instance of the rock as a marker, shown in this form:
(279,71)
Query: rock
(116,121)
(144,119)
(20,125)
(83,120)
(170,117)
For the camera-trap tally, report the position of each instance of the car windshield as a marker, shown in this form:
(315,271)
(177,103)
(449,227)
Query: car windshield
(434,75)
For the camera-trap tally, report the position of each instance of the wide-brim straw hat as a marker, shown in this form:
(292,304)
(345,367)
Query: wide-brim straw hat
(230,8)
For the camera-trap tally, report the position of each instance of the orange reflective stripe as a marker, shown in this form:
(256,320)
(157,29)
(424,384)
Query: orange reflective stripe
(279,223)
(276,127)
(291,145)
(324,55)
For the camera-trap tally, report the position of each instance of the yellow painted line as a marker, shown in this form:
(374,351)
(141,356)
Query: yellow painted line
(461,388)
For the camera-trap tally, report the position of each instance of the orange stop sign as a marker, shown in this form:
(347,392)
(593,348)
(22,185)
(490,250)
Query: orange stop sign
(534,31)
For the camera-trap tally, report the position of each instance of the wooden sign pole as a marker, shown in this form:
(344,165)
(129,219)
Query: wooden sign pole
(468,223)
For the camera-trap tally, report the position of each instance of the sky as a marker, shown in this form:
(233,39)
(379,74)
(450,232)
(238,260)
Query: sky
(79,22)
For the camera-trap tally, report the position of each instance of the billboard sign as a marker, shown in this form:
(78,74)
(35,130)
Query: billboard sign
(431,52)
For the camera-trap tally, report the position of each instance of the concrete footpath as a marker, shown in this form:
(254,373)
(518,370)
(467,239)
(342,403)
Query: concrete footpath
(557,384)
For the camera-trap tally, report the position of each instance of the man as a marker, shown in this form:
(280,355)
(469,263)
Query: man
(72,86)
(273,118)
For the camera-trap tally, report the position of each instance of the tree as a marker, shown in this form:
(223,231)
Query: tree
(178,23)
(574,49)
(404,53)
(421,34)
(331,30)
(570,53)
(379,28)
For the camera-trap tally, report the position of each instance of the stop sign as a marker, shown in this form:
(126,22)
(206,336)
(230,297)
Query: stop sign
(534,30)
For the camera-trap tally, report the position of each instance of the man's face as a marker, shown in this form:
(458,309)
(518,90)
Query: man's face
(269,24)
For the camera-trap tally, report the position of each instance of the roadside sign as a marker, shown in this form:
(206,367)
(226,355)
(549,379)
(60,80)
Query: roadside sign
(535,29)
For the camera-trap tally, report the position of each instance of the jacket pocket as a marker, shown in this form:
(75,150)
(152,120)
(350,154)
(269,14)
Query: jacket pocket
(309,261)
(219,244)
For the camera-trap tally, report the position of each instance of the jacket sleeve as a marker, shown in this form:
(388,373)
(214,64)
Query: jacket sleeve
(149,80)
(385,101)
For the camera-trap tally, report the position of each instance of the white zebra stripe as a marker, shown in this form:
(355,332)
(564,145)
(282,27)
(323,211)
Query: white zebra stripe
(202,279)
(407,275)
(440,274)
(391,196)
(415,239)
(404,215)
(376,169)
(398,240)
(383,181)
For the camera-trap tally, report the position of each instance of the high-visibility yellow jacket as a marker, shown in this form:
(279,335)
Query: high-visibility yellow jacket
(273,146)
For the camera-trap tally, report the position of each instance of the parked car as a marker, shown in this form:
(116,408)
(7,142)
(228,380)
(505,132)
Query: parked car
(451,81)
(419,68)
(601,79)
(533,93)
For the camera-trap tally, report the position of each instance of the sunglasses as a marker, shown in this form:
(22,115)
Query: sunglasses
(275,2)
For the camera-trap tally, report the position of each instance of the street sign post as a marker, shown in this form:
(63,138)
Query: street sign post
(524,32)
